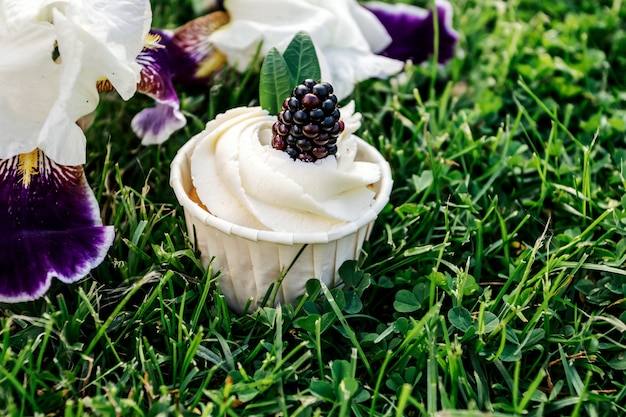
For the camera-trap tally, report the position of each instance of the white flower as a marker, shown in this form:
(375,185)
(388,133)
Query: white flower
(53,55)
(346,37)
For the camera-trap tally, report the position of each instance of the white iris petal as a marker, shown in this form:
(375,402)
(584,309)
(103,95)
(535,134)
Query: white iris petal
(29,85)
(40,99)
(14,13)
(339,29)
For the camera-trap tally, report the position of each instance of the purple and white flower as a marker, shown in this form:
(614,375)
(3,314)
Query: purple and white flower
(51,226)
(57,54)
(412,30)
(346,37)
(53,55)
(184,55)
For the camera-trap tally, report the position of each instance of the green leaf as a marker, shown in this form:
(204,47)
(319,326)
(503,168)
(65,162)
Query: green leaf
(585,286)
(401,325)
(423,181)
(421,290)
(385,282)
(247,394)
(440,280)
(394,382)
(301,59)
(618,362)
(340,369)
(276,83)
(406,302)
(353,302)
(308,323)
(354,278)
(470,285)
(322,390)
(490,321)
(460,318)
(348,386)
(534,337)
(361,396)
(339,299)
(511,353)
(349,273)
(313,288)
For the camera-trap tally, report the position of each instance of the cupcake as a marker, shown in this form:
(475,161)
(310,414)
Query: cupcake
(274,201)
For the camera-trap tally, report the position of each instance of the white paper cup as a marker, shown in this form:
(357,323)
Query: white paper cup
(251,260)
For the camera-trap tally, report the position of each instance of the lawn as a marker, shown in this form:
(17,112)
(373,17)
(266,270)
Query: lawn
(492,285)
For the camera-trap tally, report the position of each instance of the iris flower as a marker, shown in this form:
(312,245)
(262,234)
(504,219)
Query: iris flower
(354,41)
(412,30)
(56,56)
(184,55)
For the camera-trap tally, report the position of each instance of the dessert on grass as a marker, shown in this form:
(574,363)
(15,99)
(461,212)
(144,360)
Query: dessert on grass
(275,200)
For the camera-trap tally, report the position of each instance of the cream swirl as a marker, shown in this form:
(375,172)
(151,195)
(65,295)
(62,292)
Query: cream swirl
(240,178)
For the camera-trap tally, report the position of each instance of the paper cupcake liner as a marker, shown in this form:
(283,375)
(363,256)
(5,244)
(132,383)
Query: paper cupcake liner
(251,260)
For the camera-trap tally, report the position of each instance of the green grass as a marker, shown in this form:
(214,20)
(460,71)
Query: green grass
(493,284)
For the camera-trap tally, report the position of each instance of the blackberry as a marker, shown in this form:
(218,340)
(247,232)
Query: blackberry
(309,123)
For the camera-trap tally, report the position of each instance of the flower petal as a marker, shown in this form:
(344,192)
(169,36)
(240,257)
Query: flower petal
(412,30)
(54,54)
(14,13)
(350,67)
(337,27)
(104,37)
(155,125)
(51,226)
(184,55)
(156,67)
(195,58)
(29,82)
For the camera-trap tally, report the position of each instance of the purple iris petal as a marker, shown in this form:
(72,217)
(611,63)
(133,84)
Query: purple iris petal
(412,30)
(193,57)
(50,225)
(184,56)
(155,124)
(156,82)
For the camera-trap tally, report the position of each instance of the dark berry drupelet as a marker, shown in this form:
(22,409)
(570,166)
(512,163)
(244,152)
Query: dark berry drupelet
(309,123)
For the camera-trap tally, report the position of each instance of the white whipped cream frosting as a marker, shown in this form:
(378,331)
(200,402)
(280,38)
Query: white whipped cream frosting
(240,178)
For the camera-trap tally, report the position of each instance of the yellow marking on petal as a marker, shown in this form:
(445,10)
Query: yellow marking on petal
(153,41)
(28,165)
(103,84)
(210,64)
